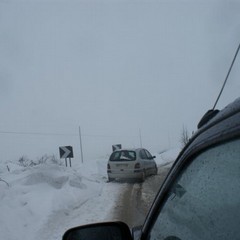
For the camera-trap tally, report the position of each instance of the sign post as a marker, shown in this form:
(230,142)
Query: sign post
(80,139)
(66,152)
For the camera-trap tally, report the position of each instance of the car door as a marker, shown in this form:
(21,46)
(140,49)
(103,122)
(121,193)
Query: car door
(203,201)
(151,162)
(144,161)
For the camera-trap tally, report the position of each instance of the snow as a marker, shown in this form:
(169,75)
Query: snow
(43,201)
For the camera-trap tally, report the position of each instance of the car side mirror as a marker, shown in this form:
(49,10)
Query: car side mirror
(97,231)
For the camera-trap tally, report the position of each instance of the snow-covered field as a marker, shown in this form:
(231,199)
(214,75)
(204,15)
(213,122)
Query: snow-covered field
(43,201)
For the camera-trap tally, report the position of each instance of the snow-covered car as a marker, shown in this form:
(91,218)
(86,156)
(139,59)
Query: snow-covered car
(134,164)
(200,196)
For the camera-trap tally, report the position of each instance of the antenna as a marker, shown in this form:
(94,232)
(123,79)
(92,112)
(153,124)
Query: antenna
(212,113)
(227,77)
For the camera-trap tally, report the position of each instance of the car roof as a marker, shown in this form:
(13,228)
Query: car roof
(129,149)
(229,110)
(226,120)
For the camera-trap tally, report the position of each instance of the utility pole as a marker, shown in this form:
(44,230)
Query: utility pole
(80,139)
(140,136)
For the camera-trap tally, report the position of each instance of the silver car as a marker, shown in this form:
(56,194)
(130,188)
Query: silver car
(134,164)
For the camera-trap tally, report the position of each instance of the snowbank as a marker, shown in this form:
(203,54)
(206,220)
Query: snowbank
(42,201)
(36,192)
(167,157)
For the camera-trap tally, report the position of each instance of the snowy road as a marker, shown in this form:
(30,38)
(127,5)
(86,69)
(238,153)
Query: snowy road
(130,203)
(137,198)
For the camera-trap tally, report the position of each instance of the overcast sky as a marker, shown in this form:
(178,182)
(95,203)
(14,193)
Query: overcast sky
(114,67)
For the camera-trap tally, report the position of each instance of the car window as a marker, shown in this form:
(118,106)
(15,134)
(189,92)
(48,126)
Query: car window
(148,154)
(142,154)
(204,201)
(123,155)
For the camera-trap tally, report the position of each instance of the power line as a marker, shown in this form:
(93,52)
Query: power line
(106,136)
(36,133)
(60,134)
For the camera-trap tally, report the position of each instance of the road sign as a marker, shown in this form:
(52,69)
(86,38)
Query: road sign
(66,152)
(116,147)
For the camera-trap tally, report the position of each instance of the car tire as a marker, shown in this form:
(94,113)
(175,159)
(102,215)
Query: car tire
(143,176)
(111,179)
(155,172)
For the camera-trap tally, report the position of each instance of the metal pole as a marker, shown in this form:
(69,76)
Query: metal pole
(80,139)
(140,136)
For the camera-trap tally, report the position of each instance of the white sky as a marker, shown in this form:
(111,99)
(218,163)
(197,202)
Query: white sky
(112,67)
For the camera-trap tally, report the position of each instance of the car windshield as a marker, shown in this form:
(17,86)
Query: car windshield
(124,155)
(204,201)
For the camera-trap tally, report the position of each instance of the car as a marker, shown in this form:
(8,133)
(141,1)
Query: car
(200,197)
(133,164)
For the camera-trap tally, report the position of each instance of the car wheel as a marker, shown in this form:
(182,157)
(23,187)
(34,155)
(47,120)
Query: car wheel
(111,179)
(143,176)
(155,172)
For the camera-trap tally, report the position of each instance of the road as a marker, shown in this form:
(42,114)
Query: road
(137,198)
(134,201)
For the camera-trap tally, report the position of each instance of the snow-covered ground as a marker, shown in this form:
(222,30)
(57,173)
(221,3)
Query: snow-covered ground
(43,201)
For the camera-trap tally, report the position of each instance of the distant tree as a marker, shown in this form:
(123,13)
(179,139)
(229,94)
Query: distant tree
(45,159)
(48,159)
(25,162)
(184,136)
